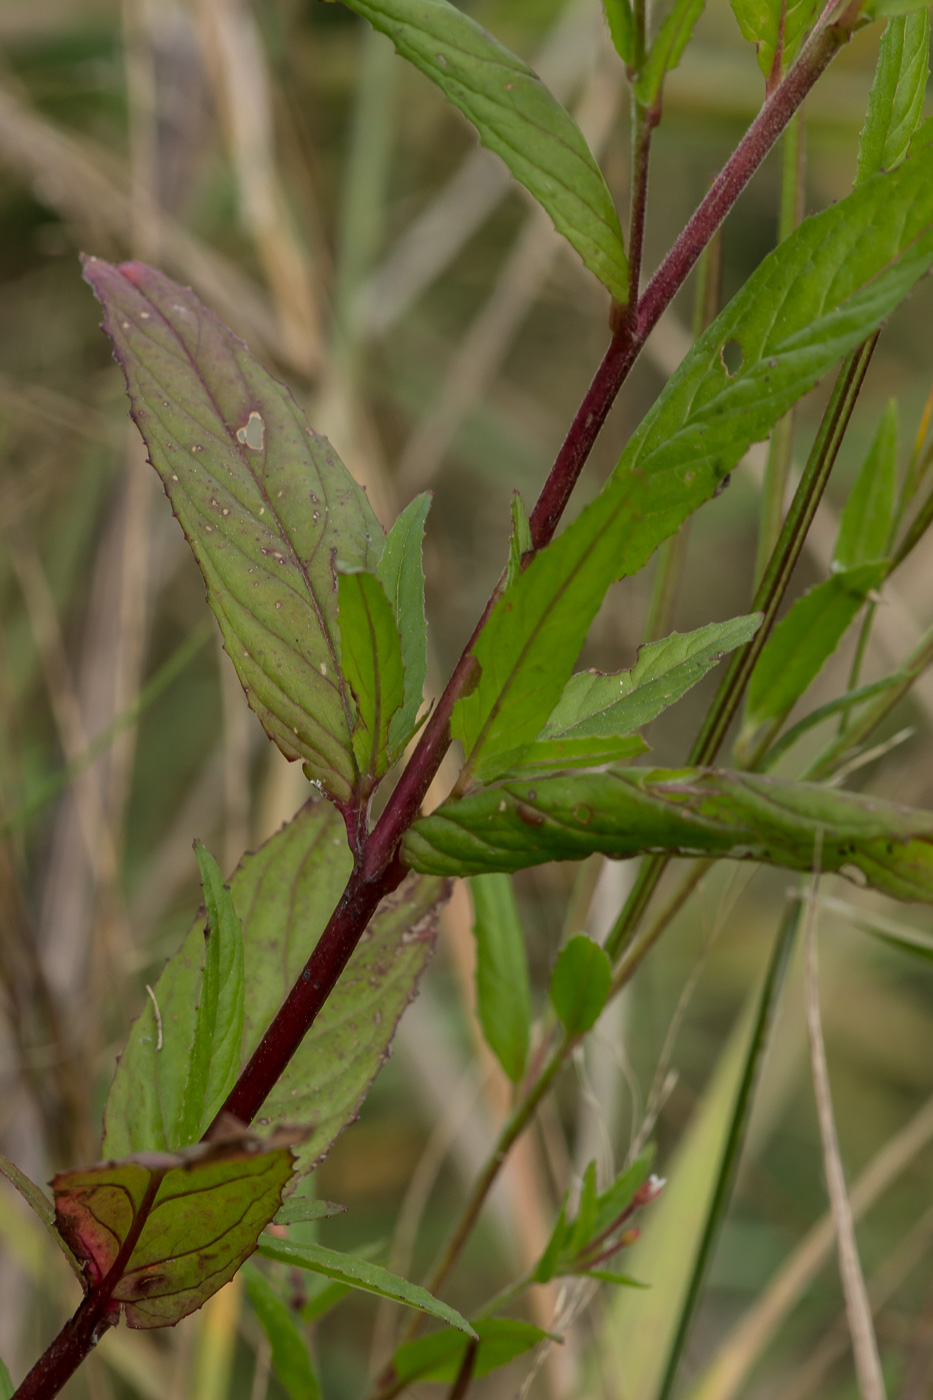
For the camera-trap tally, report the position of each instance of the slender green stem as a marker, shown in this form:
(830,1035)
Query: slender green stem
(779,448)
(732,1149)
(767,600)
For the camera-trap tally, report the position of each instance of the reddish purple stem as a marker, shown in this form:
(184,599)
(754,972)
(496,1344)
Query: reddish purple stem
(378,869)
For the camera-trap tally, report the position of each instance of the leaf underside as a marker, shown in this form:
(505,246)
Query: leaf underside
(284,894)
(689,812)
(265,504)
(201,1210)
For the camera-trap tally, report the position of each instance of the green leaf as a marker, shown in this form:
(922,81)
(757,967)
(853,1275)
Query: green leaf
(40,1203)
(297,1210)
(556,1248)
(622,28)
(795,652)
(580,984)
(519,541)
(503,996)
(517,118)
(372,663)
(363,1275)
(6,1384)
(440,1356)
(198,1212)
(895,106)
(693,812)
(214,1060)
(776,27)
(597,704)
(878,9)
(557,755)
(401,574)
(866,525)
(291,1356)
(265,504)
(813,299)
(284,894)
(667,49)
(584,1227)
(619,1195)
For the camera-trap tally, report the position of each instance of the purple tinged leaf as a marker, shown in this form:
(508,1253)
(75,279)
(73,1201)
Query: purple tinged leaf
(160,1233)
(265,503)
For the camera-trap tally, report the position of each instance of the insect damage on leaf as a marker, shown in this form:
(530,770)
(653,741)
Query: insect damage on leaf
(159,1233)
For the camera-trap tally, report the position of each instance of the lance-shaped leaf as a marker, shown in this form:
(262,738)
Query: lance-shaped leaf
(363,1275)
(214,1061)
(440,1356)
(667,49)
(372,664)
(621,23)
(895,105)
(580,984)
(503,995)
(291,1355)
(559,755)
(776,27)
(597,704)
(284,895)
(519,540)
(517,117)
(692,812)
(866,523)
(813,299)
(401,574)
(266,506)
(795,652)
(160,1233)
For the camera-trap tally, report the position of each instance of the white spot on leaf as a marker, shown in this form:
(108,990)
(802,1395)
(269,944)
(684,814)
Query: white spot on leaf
(253,432)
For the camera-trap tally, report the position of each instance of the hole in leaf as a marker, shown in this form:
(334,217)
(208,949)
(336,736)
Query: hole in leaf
(253,432)
(731,356)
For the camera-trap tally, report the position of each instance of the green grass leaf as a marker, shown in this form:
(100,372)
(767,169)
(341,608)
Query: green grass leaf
(401,574)
(214,1058)
(867,519)
(331,1072)
(6,1383)
(597,704)
(362,1275)
(503,995)
(794,654)
(579,986)
(667,49)
(200,1212)
(776,27)
(291,1355)
(372,663)
(692,812)
(440,1356)
(517,118)
(266,506)
(895,105)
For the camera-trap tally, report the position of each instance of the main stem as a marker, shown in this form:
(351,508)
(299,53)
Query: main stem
(377,869)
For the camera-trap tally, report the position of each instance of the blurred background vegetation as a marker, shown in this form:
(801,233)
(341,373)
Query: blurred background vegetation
(322,198)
